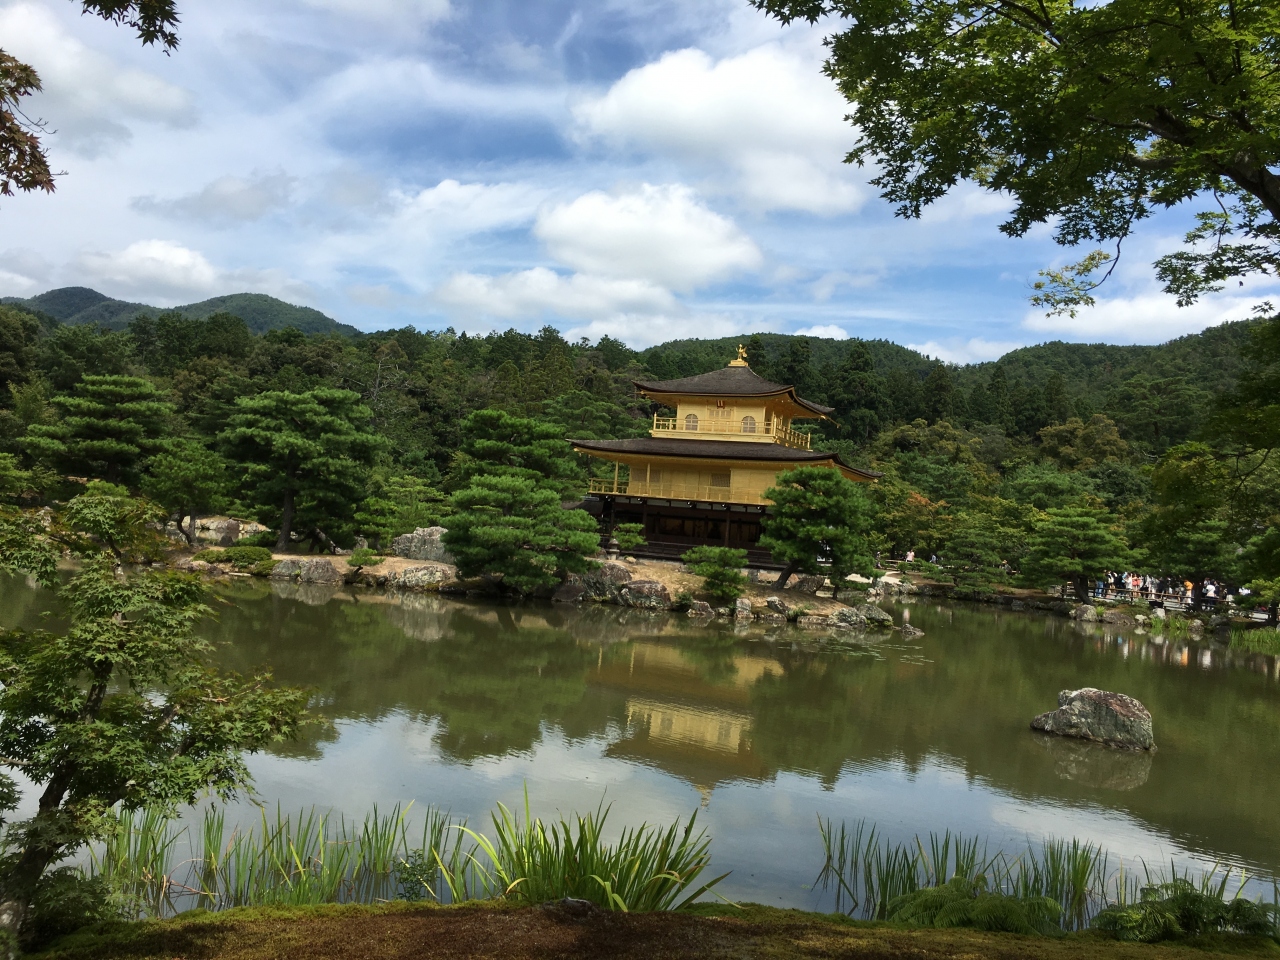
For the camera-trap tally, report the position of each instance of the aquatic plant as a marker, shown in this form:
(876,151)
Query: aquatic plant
(647,869)
(1180,907)
(880,879)
(966,902)
(1259,640)
(314,858)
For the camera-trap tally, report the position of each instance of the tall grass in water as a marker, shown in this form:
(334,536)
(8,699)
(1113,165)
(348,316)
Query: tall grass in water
(868,873)
(647,869)
(1257,640)
(319,858)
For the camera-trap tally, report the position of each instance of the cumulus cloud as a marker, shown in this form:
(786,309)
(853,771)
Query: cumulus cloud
(163,272)
(768,115)
(225,200)
(88,98)
(827,332)
(1143,318)
(958,350)
(663,234)
(538,292)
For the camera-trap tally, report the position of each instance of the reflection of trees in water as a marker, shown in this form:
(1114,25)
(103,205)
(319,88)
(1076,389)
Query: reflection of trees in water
(492,676)
(488,679)
(22,602)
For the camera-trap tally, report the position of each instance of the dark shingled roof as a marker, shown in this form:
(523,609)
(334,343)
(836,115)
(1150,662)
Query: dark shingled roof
(716,450)
(728,382)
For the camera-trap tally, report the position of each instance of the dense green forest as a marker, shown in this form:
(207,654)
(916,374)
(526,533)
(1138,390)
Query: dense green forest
(1055,462)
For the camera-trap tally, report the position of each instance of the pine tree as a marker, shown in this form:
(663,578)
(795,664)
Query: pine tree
(189,480)
(1075,544)
(305,456)
(510,527)
(720,569)
(495,443)
(818,517)
(107,428)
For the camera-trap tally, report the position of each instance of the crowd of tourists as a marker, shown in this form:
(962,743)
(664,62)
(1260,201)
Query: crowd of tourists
(1197,595)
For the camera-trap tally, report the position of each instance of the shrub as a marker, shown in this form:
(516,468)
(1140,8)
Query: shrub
(1168,911)
(720,569)
(629,536)
(363,557)
(966,902)
(264,539)
(238,556)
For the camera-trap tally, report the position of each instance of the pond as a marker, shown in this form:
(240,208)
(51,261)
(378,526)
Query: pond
(463,704)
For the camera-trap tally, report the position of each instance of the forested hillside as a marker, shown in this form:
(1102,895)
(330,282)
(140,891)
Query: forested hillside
(77,305)
(1107,443)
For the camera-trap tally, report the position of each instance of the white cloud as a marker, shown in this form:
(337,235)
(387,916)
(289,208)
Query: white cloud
(163,272)
(389,11)
(88,98)
(827,284)
(225,200)
(152,265)
(644,331)
(22,273)
(539,292)
(1142,318)
(454,207)
(657,233)
(769,115)
(974,350)
(828,332)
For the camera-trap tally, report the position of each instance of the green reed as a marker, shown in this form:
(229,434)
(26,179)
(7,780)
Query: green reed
(868,873)
(313,857)
(1257,640)
(647,869)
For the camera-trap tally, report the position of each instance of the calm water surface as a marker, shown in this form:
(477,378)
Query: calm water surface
(460,705)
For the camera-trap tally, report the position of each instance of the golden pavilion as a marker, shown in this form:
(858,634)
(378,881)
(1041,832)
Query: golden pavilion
(700,475)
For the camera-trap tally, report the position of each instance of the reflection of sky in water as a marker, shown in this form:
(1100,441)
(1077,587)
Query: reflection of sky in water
(766,834)
(464,705)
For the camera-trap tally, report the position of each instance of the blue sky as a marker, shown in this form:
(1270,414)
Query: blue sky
(649,170)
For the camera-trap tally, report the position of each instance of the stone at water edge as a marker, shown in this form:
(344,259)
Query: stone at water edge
(425,543)
(700,608)
(776,605)
(742,609)
(1085,613)
(647,594)
(908,631)
(1099,715)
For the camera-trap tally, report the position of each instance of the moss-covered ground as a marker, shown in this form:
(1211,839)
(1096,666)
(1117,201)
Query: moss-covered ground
(415,931)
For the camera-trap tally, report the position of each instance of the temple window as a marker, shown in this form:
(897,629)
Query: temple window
(691,423)
(748,424)
(720,480)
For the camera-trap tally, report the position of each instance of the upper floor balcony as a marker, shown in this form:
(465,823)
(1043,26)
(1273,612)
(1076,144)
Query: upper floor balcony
(717,428)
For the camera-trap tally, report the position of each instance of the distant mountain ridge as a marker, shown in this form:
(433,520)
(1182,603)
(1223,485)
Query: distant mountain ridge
(76,305)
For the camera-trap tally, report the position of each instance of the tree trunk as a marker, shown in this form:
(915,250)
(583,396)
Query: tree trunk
(1272,609)
(286,523)
(786,574)
(1081,585)
(190,532)
(35,859)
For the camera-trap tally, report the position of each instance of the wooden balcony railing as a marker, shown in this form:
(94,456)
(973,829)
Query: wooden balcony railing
(675,491)
(765,431)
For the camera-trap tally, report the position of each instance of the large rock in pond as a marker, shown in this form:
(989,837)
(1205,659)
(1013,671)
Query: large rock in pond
(861,617)
(425,543)
(1085,613)
(1101,716)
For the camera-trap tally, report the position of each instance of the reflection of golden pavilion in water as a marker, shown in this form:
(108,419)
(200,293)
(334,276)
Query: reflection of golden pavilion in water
(700,475)
(684,724)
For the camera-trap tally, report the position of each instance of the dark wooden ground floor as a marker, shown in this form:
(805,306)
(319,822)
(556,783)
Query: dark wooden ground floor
(673,526)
